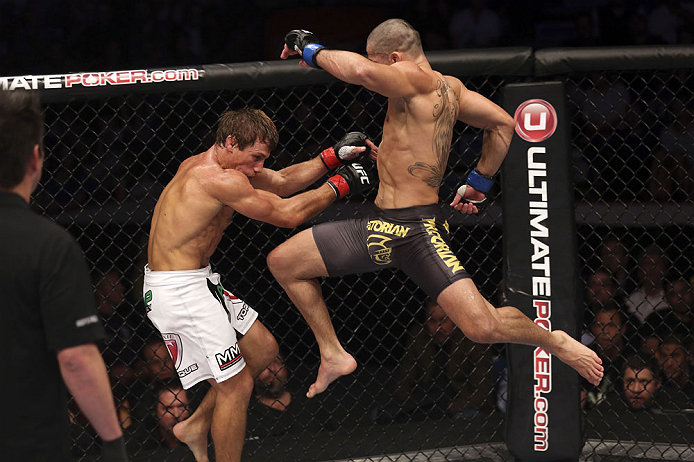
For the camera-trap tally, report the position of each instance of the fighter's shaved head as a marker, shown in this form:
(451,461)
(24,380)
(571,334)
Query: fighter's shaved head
(394,35)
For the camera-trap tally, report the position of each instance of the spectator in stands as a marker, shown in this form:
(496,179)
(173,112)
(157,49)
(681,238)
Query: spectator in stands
(677,318)
(665,19)
(615,258)
(475,26)
(600,293)
(166,403)
(442,368)
(152,366)
(601,290)
(641,381)
(124,334)
(632,410)
(609,328)
(267,413)
(675,358)
(172,407)
(270,387)
(650,294)
(158,364)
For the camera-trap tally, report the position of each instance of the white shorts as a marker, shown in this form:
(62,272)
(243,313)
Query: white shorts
(198,321)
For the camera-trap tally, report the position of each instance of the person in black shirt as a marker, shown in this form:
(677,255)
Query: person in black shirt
(49,320)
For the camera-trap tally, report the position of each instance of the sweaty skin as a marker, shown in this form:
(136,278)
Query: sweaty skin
(423,107)
(187,225)
(411,171)
(197,205)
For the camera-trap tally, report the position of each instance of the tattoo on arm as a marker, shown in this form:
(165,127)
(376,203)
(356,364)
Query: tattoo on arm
(445,114)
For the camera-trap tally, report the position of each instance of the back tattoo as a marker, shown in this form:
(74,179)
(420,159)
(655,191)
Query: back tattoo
(445,113)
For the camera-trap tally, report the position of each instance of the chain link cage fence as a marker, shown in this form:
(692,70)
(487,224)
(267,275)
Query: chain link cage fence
(632,145)
(417,393)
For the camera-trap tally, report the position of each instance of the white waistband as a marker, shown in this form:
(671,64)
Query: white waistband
(160,278)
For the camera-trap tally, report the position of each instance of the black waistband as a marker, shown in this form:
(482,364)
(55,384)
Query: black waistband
(410,213)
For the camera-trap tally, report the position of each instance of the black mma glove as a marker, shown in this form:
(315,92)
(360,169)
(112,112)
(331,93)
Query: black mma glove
(114,451)
(350,178)
(305,42)
(337,155)
(481,183)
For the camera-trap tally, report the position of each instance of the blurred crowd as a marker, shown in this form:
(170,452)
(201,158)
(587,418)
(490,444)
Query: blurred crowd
(43,37)
(638,317)
(150,399)
(640,305)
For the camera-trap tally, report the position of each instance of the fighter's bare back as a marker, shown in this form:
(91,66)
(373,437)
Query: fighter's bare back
(416,142)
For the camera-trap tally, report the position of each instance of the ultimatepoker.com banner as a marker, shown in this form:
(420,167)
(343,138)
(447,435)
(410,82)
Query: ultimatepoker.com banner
(96,79)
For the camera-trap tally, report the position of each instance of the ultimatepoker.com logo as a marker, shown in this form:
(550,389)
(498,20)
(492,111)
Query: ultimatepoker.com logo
(536,120)
(96,79)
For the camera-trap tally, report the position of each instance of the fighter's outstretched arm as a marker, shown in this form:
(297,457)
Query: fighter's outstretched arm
(232,188)
(296,177)
(291,179)
(400,80)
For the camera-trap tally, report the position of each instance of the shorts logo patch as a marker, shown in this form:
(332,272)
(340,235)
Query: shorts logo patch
(188,370)
(385,227)
(229,357)
(175,346)
(378,250)
(242,314)
(229,296)
(148,301)
(217,292)
(441,247)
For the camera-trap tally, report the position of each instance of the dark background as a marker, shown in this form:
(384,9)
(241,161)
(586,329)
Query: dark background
(45,37)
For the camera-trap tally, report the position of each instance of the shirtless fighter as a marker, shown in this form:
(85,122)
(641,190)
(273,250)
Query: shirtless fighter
(407,228)
(210,333)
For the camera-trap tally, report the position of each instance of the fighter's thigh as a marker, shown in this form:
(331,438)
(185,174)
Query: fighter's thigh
(258,347)
(468,309)
(298,256)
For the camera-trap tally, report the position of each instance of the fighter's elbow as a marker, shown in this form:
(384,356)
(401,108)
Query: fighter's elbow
(503,128)
(508,125)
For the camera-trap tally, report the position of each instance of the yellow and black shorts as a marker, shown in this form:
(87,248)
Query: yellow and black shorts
(413,239)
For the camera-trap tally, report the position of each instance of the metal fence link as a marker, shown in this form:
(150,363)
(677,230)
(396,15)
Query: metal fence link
(632,142)
(418,386)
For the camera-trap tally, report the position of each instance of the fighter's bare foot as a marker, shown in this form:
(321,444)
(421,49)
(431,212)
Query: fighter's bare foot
(194,436)
(580,357)
(331,369)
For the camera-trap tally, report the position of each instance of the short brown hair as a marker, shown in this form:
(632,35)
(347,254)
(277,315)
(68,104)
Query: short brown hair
(640,361)
(21,128)
(395,35)
(247,126)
